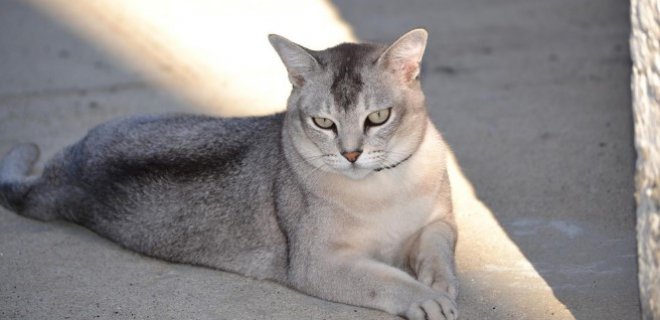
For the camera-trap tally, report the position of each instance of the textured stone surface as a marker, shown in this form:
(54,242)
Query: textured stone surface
(645,51)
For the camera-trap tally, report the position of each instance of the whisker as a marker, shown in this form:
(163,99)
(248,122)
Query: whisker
(394,152)
(390,164)
(308,158)
(309,175)
(385,161)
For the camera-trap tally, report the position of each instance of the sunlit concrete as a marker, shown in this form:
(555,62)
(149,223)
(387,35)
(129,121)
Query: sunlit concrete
(212,52)
(212,57)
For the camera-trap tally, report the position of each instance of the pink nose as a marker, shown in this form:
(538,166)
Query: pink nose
(351,156)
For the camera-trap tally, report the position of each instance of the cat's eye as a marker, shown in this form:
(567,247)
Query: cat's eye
(323,123)
(377,118)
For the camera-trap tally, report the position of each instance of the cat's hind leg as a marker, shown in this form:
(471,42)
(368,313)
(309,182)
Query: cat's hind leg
(20,192)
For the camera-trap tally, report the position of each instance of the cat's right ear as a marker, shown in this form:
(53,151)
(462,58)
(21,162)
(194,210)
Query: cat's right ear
(297,59)
(403,58)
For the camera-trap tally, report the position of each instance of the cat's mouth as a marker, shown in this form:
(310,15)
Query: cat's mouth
(358,169)
(359,173)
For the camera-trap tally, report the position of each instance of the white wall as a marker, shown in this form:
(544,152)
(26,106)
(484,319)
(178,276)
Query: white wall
(645,52)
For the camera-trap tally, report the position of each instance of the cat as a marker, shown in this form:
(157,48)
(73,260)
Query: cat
(344,196)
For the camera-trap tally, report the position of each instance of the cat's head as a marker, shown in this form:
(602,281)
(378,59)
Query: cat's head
(355,108)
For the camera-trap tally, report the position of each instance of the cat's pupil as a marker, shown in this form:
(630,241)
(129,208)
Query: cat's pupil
(323,123)
(377,118)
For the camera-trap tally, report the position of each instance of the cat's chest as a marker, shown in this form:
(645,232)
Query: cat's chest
(380,219)
(384,232)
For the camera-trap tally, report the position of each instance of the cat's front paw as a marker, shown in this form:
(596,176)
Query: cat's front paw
(439,277)
(440,308)
(447,285)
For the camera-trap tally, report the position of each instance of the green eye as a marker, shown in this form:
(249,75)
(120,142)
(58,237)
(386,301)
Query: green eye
(323,123)
(379,117)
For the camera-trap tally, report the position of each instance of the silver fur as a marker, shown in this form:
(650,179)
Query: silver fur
(273,197)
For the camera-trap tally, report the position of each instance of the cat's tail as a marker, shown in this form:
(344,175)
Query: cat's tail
(15,184)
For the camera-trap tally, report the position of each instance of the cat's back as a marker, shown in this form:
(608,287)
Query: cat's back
(172,143)
(180,187)
(179,135)
(156,152)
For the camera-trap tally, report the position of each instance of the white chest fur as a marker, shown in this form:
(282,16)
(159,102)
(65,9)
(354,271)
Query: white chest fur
(378,214)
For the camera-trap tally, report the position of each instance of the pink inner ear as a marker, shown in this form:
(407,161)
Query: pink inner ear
(406,71)
(409,71)
(297,80)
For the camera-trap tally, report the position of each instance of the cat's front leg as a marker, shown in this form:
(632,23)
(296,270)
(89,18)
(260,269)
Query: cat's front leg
(361,281)
(431,258)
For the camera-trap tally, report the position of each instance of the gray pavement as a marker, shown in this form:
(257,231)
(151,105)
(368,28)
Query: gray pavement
(532,95)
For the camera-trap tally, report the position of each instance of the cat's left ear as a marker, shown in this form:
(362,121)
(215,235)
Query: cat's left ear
(404,57)
(298,61)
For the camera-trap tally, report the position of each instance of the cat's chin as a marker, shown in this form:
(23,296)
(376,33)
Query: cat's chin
(356,173)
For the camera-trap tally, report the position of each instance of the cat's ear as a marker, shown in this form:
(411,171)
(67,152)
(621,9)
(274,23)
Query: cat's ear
(297,59)
(404,57)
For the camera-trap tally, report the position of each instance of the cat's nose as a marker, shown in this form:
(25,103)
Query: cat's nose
(351,156)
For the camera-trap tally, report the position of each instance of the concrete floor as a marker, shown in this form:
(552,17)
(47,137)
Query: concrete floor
(532,95)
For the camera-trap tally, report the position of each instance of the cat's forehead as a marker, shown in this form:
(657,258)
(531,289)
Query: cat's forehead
(348,66)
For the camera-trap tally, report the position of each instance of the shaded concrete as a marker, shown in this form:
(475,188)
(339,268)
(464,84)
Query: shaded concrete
(532,95)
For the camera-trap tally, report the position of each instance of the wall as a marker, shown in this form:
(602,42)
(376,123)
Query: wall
(645,52)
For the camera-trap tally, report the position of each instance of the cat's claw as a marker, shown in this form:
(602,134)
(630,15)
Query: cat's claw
(441,308)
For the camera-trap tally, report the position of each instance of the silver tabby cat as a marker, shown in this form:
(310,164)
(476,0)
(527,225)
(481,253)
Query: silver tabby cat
(344,196)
